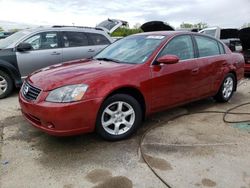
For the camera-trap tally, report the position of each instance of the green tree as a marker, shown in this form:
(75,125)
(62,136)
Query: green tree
(200,25)
(1,29)
(186,25)
(125,31)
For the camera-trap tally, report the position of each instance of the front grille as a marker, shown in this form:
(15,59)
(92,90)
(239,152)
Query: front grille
(30,92)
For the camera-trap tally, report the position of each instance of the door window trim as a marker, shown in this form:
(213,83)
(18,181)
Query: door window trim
(39,33)
(168,41)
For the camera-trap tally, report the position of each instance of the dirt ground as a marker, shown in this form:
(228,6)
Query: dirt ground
(198,150)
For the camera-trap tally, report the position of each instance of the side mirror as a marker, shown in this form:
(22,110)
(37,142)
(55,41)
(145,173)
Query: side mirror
(168,59)
(22,47)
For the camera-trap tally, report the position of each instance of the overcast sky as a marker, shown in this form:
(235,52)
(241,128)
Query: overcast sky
(224,13)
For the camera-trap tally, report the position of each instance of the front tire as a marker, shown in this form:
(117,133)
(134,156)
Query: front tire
(6,85)
(119,117)
(227,88)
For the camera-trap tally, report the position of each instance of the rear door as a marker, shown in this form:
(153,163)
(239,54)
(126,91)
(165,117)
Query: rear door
(210,62)
(46,51)
(175,83)
(75,46)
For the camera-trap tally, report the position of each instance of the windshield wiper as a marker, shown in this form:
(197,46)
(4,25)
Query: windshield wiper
(108,59)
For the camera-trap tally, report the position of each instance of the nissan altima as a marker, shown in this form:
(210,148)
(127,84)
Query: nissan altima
(127,81)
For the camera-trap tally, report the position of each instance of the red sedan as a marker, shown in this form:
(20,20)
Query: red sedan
(130,79)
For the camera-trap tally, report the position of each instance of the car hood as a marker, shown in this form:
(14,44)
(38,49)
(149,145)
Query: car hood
(244,35)
(156,26)
(74,72)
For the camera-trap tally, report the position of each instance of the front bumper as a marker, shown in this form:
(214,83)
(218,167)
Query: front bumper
(61,119)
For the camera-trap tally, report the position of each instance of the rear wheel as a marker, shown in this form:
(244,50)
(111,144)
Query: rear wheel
(227,88)
(119,117)
(6,85)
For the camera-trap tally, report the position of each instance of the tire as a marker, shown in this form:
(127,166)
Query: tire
(119,117)
(226,89)
(6,85)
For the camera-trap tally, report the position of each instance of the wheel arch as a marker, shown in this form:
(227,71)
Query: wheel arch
(12,71)
(236,81)
(132,91)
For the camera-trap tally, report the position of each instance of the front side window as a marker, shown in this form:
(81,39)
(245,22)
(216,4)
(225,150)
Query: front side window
(207,46)
(74,39)
(98,39)
(43,41)
(181,46)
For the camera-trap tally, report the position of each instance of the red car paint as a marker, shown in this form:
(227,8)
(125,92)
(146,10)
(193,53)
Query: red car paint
(162,86)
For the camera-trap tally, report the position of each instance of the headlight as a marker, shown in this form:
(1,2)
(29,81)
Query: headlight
(70,93)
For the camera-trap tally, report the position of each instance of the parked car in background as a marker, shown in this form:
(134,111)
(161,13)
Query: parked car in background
(244,35)
(229,36)
(130,79)
(29,50)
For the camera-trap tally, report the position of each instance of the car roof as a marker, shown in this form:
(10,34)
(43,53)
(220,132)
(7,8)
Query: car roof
(65,28)
(165,33)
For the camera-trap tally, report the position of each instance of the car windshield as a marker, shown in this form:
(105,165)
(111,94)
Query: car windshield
(134,49)
(4,43)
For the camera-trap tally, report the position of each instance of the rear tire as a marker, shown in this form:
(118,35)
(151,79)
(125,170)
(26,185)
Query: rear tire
(119,117)
(226,89)
(6,85)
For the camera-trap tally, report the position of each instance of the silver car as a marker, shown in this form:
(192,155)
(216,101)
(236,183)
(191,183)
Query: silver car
(29,50)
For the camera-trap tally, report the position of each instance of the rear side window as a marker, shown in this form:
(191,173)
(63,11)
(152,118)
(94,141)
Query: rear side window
(74,39)
(181,46)
(98,39)
(222,49)
(207,46)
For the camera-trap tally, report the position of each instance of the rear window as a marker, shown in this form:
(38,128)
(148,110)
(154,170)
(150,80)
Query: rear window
(75,39)
(98,39)
(222,49)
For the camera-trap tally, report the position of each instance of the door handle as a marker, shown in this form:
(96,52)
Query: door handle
(91,50)
(195,71)
(55,53)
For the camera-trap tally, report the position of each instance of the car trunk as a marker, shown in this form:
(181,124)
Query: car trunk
(231,38)
(244,35)
(156,26)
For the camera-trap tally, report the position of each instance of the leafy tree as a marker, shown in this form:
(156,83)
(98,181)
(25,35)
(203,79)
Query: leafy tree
(200,25)
(125,31)
(186,25)
(1,29)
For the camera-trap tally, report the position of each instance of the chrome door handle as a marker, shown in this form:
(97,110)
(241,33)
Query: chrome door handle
(55,53)
(91,50)
(195,71)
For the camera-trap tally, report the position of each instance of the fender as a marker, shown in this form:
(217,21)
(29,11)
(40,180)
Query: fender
(13,71)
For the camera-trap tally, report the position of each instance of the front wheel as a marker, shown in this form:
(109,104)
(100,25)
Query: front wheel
(227,88)
(119,117)
(6,85)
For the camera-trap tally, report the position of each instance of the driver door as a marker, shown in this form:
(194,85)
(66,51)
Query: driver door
(174,84)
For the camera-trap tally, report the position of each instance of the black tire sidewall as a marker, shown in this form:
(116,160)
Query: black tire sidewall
(138,117)
(9,84)
(220,97)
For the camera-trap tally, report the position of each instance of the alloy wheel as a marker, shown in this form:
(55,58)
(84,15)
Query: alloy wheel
(228,87)
(3,85)
(118,118)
